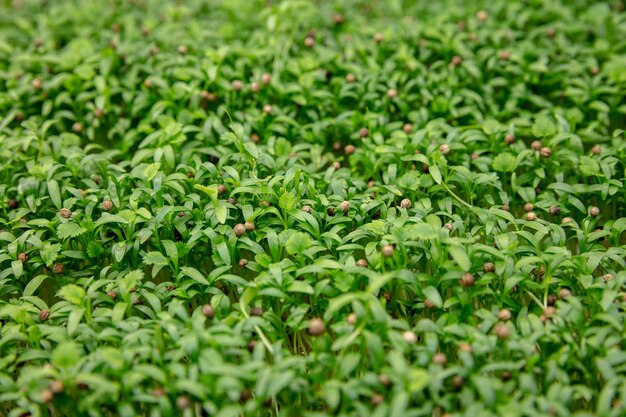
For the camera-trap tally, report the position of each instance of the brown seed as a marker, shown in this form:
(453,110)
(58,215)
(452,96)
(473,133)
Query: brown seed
(316,327)
(306,209)
(245,395)
(536,145)
(549,311)
(65,213)
(237,85)
(489,267)
(350,149)
(344,206)
(243,262)
(449,227)
(58,268)
(456,61)
(183,402)
(98,113)
(350,78)
(351,318)
(255,87)
(107,205)
(387,250)
(377,399)
(256,312)
(467,280)
(336,165)
(266,78)
(428,303)
(546,152)
(566,220)
(509,138)
(239,230)
(506,376)
(594,211)
(407,128)
(264,203)
(504,314)
(528,207)
(505,55)
(551,32)
(77,127)
(232,200)
(596,150)
(330,211)
(251,345)
(482,15)
(379,37)
(182,49)
(385,380)
(23,257)
(444,149)
(409,337)
(458,381)
(551,300)
(364,132)
(57,386)
(505,207)
(221,189)
(338,18)
(147,83)
(501,330)
(555,210)
(531,216)
(208,311)
(44,314)
(607,277)
(595,70)
(405,203)
(309,42)
(12,204)
(112,294)
(159,392)
(440,359)
(154,50)
(46,396)
(465,347)
(362,263)
(392,93)
(564,293)
(37,83)
(267,109)
(249,226)
(474,156)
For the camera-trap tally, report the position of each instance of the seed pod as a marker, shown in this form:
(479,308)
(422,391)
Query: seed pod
(338,18)
(23,257)
(336,164)
(77,127)
(58,268)
(505,207)
(251,345)
(112,294)
(350,149)
(316,327)
(456,61)
(465,347)
(256,312)
(249,226)
(467,280)
(377,399)
(428,303)
(344,206)
(440,359)
(255,87)
(482,16)
(364,132)
(594,211)
(37,83)
(208,311)
(362,263)
(147,83)
(44,314)
(379,37)
(232,200)
(309,42)
(267,109)
(57,386)
(474,156)
(409,337)
(505,55)
(387,250)
(504,314)
(546,152)
(566,220)
(406,203)
(243,262)
(351,318)
(564,293)
(536,146)
(596,150)
(183,402)
(444,149)
(350,78)
(154,50)
(595,70)
(555,210)
(509,138)
(501,330)
(236,85)
(307,209)
(531,216)
(330,211)
(457,382)
(607,277)
(392,93)
(46,396)
(266,78)
(489,267)
(107,205)
(239,230)
(528,207)
(65,213)
(549,311)
(221,189)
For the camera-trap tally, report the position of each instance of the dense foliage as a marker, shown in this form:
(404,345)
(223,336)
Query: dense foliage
(298,208)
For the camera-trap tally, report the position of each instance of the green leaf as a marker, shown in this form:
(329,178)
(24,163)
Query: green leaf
(72,293)
(460,256)
(298,242)
(504,162)
(287,201)
(194,274)
(69,230)
(65,355)
(33,285)
(543,126)
(433,295)
(151,171)
(50,252)
(589,166)
(435,173)
(154,258)
(55,194)
(301,287)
